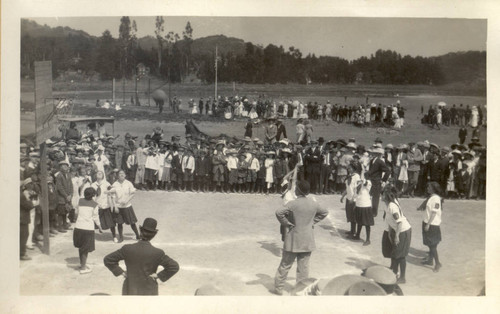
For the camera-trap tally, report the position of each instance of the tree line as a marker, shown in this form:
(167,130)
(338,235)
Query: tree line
(173,58)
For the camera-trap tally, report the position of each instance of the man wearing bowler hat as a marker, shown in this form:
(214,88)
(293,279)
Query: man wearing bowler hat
(377,173)
(142,260)
(298,218)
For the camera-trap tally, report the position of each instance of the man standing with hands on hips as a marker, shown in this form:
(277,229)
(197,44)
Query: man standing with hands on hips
(142,260)
(298,217)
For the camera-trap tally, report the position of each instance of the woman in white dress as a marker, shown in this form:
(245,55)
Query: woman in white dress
(253,113)
(269,164)
(439,116)
(124,190)
(474,117)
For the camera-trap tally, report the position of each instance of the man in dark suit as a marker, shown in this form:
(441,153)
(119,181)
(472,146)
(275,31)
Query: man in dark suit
(281,130)
(203,169)
(313,159)
(374,174)
(64,189)
(142,260)
(298,217)
(325,170)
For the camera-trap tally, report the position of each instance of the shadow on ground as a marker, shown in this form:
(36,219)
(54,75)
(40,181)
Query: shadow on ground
(268,282)
(73,262)
(271,247)
(360,263)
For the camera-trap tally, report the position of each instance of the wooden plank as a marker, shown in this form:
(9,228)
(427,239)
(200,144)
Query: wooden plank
(44,200)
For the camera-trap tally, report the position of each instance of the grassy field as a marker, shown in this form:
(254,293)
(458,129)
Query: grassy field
(233,242)
(141,120)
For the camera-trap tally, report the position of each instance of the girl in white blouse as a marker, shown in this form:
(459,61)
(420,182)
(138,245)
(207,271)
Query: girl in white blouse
(431,222)
(398,231)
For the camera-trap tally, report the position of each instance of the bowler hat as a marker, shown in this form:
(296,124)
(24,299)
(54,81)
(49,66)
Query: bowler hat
(149,225)
(303,186)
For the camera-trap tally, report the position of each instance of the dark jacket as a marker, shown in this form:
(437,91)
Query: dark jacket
(313,159)
(142,260)
(64,187)
(281,131)
(203,166)
(377,167)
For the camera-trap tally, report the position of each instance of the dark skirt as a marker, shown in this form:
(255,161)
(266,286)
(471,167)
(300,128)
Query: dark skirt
(128,215)
(364,216)
(84,240)
(106,218)
(401,250)
(349,210)
(386,245)
(431,237)
(150,175)
(233,176)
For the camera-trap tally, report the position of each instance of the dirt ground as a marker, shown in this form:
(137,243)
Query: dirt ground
(233,242)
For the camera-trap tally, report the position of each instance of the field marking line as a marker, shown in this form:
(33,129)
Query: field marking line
(197,269)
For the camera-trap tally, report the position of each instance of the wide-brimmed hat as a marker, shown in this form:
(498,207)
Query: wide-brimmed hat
(377,151)
(351,145)
(389,146)
(340,285)
(63,162)
(366,288)
(286,150)
(149,225)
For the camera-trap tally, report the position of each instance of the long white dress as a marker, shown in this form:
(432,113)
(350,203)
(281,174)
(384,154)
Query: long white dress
(269,164)
(474,118)
(195,109)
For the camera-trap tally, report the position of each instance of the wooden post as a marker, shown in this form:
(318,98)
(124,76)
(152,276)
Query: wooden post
(44,199)
(113,90)
(123,84)
(137,102)
(149,92)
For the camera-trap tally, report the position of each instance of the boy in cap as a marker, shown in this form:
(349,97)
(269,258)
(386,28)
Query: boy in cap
(188,168)
(142,260)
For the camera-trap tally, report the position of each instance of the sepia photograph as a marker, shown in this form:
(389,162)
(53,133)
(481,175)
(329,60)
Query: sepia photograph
(252,156)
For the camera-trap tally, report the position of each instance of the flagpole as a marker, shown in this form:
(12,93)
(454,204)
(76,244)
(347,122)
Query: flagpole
(215,73)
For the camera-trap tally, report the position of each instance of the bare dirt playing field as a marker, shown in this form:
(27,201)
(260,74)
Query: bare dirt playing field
(233,242)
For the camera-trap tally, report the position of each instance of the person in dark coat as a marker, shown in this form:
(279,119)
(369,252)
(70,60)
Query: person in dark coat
(374,174)
(313,159)
(142,260)
(203,168)
(249,128)
(281,130)
(200,105)
(462,134)
(64,188)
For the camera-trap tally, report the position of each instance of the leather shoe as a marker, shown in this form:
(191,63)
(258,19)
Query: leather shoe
(61,230)
(276,291)
(25,258)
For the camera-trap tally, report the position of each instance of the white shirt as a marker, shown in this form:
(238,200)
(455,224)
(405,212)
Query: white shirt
(103,162)
(168,160)
(433,206)
(102,199)
(232,163)
(254,165)
(123,191)
(188,163)
(152,162)
(351,188)
(394,216)
(88,214)
(363,198)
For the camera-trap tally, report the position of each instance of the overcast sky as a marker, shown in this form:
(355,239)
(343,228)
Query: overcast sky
(348,37)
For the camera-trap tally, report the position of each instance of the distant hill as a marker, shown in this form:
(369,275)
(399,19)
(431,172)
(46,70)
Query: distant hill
(35,30)
(464,66)
(76,50)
